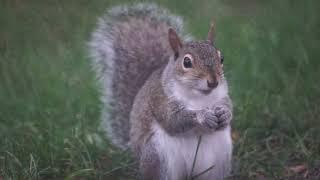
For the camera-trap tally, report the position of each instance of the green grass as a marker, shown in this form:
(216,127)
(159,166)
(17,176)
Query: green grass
(49,100)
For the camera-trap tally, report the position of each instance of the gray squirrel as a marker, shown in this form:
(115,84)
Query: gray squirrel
(162,92)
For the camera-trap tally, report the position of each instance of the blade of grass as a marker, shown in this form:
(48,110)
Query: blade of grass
(195,156)
(201,173)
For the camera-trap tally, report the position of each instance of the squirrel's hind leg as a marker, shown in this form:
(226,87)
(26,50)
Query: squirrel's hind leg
(152,164)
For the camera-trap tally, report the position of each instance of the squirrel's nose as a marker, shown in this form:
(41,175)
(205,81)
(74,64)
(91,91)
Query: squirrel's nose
(212,84)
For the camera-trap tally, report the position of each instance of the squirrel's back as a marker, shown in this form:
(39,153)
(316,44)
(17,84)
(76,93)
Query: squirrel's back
(129,43)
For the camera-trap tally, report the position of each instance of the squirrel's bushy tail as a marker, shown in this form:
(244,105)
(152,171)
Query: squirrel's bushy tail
(129,43)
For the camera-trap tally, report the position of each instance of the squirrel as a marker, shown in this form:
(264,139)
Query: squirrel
(162,93)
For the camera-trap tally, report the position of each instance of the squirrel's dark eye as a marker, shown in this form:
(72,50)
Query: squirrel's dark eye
(221,56)
(221,59)
(187,61)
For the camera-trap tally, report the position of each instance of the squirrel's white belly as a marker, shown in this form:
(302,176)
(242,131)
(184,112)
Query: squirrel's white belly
(215,150)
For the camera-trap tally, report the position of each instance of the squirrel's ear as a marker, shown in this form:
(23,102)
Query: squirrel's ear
(211,33)
(175,42)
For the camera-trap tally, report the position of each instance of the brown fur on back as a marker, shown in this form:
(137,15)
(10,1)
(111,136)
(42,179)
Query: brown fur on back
(141,47)
(129,43)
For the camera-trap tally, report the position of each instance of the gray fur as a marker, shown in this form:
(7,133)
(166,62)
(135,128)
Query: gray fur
(128,37)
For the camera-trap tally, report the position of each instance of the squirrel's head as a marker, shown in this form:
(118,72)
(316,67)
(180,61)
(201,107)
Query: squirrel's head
(197,64)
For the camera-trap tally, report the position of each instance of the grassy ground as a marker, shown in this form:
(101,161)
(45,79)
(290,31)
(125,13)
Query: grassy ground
(49,101)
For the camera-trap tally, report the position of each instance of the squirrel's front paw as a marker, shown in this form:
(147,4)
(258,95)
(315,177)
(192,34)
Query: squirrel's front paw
(208,120)
(224,116)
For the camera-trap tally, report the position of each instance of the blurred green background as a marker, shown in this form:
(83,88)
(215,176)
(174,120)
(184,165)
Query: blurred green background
(49,99)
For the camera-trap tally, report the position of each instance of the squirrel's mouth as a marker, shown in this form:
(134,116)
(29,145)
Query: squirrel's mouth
(206,91)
